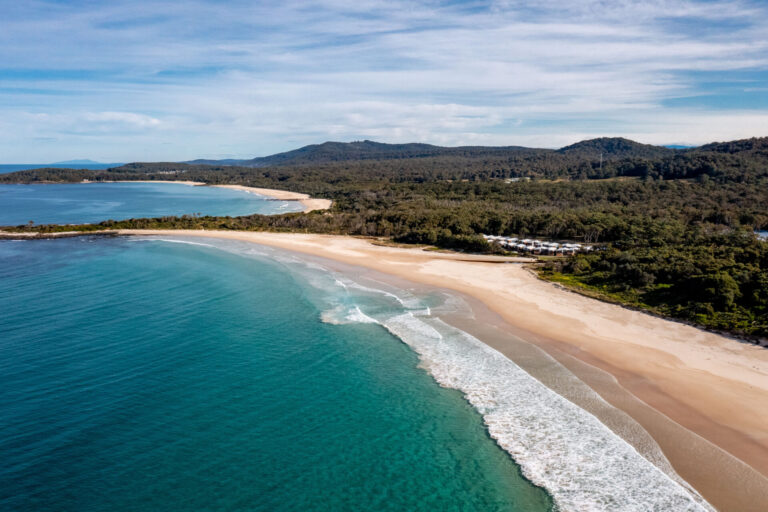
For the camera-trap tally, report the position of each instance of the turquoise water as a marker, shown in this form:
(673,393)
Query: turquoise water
(80,203)
(149,375)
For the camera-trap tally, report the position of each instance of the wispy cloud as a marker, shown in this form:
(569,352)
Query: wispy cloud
(175,80)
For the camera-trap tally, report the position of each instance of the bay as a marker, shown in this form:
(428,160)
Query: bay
(80,203)
(158,375)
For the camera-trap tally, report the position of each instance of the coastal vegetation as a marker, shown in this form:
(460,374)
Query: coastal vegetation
(675,227)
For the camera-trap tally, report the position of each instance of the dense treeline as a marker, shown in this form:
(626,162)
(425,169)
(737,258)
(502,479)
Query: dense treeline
(715,279)
(595,159)
(677,228)
(326,152)
(368,150)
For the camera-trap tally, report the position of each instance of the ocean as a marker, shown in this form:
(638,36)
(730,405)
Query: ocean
(156,375)
(5,168)
(80,203)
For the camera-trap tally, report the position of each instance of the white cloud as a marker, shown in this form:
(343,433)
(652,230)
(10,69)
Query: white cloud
(121,119)
(169,80)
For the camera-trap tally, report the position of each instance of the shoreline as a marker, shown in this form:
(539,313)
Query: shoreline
(309,203)
(34,235)
(700,396)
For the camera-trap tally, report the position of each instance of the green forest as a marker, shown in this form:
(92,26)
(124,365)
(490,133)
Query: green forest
(675,228)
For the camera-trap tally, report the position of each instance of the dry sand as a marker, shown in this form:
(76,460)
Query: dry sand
(310,204)
(177,182)
(703,397)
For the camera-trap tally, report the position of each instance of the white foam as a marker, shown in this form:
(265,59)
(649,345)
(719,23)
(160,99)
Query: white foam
(559,446)
(342,315)
(408,302)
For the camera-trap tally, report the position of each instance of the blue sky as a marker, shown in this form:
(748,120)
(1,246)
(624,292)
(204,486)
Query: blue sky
(152,80)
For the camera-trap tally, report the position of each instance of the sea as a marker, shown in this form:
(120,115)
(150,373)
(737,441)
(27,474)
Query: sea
(180,373)
(5,168)
(79,203)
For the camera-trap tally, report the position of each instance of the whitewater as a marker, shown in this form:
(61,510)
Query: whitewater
(561,447)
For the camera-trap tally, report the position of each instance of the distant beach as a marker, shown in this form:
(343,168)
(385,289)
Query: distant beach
(310,204)
(91,202)
(701,396)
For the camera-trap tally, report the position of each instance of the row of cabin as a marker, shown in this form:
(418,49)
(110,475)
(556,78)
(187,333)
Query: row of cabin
(534,246)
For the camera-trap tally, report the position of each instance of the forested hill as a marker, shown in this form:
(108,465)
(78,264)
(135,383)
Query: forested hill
(367,150)
(608,147)
(615,148)
(744,160)
(590,159)
(755,145)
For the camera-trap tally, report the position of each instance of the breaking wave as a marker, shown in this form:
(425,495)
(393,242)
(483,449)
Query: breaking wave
(341,315)
(558,445)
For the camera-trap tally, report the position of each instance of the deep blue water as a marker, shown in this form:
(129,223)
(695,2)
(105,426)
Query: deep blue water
(4,168)
(149,375)
(80,203)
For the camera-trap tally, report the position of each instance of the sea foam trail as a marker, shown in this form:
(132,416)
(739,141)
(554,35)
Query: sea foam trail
(341,315)
(558,445)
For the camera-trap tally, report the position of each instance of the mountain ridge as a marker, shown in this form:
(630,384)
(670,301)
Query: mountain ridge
(81,161)
(332,151)
(615,147)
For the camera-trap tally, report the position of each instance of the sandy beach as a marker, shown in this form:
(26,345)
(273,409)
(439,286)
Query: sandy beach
(701,396)
(310,204)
